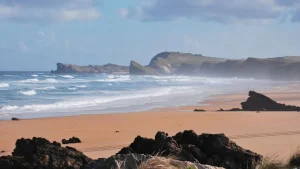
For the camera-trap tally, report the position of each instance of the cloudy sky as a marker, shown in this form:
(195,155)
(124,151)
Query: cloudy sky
(36,34)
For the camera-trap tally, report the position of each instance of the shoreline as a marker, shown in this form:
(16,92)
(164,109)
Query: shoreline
(254,131)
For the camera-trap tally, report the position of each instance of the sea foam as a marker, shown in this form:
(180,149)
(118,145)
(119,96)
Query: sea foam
(68,76)
(28,93)
(2,85)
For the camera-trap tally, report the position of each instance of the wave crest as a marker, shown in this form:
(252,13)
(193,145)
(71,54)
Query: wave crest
(28,93)
(2,85)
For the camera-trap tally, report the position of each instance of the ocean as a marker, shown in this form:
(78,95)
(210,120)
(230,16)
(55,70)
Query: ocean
(41,94)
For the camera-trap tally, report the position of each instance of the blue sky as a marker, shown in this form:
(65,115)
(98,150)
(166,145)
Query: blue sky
(36,34)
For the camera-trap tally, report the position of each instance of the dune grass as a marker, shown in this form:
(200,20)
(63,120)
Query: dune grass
(273,162)
(294,160)
(165,163)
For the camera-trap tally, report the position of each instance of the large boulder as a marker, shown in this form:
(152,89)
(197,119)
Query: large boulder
(260,102)
(72,140)
(42,154)
(211,149)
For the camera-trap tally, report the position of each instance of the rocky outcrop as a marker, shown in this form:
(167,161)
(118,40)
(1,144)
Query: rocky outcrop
(175,63)
(137,69)
(42,154)
(260,102)
(211,149)
(72,140)
(108,68)
(39,153)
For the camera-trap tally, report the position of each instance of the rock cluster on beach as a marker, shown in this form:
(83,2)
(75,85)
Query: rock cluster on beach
(260,102)
(211,149)
(39,153)
(186,147)
(72,140)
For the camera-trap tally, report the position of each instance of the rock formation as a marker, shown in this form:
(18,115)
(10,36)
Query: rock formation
(137,69)
(175,63)
(108,68)
(211,149)
(71,140)
(260,102)
(15,119)
(39,153)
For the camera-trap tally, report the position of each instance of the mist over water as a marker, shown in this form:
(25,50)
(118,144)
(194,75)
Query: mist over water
(40,94)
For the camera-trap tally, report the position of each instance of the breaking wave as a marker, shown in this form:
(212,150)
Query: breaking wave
(68,76)
(2,85)
(46,88)
(28,93)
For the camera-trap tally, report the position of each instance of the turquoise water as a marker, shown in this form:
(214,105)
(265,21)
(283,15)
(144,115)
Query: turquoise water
(41,94)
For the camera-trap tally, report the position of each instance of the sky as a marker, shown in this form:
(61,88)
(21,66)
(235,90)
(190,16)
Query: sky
(36,34)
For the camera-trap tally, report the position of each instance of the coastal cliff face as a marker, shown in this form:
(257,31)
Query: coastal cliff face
(170,63)
(108,68)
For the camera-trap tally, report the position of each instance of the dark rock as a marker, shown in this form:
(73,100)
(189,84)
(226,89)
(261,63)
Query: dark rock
(108,68)
(124,161)
(212,149)
(199,110)
(235,109)
(117,131)
(71,140)
(137,69)
(15,119)
(260,102)
(10,162)
(39,153)
(221,109)
(2,151)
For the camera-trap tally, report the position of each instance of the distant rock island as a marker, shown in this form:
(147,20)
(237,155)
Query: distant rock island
(108,68)
(176,63)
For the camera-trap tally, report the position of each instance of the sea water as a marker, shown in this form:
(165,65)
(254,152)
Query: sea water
(41,94)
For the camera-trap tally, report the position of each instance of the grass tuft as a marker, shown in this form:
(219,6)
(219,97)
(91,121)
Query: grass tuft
(294,160)
(272,162)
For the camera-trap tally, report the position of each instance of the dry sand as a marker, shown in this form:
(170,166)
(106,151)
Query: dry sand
(267,133)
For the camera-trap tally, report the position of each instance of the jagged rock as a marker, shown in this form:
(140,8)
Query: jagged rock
(199,110)
(108,68)
(15,119)
(71,140)
(260,102)
(39,153)
(137,69)
(235,109)
(211,149)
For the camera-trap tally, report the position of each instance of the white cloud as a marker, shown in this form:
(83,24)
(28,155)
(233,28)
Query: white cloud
(48,11)
(40,33)
(23,47)
(224,11)
(124,12)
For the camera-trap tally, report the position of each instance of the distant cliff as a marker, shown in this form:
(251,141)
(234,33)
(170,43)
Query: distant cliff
(108,68)
(170,63)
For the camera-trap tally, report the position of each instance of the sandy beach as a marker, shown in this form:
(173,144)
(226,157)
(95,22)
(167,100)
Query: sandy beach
(267,133)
